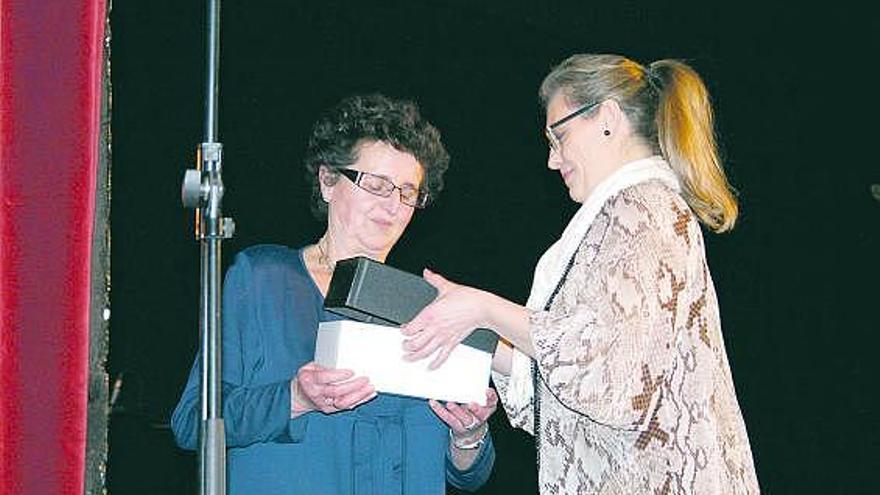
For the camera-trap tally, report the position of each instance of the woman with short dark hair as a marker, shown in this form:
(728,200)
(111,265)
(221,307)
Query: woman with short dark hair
(292,426)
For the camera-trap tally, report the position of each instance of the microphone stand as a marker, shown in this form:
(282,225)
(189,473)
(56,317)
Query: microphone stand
(203,190)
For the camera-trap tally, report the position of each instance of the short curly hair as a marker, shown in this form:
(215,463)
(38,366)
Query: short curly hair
(340,131)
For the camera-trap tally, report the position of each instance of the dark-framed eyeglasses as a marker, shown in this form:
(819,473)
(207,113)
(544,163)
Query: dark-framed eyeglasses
(552,138)
(383,187)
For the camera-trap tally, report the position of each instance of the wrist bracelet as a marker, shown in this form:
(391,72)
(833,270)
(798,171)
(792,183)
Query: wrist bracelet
(475,444)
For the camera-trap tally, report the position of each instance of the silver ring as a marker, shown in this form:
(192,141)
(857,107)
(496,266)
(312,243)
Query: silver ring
(473,424)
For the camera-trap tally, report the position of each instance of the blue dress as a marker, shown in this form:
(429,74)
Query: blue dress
(390,445)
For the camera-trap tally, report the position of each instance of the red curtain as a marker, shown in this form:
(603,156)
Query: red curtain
(50,96)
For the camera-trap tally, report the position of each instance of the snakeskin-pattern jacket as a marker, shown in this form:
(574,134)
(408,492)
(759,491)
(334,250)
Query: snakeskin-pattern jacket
(636,394)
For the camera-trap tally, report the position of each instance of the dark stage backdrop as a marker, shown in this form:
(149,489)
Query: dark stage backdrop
(797,279)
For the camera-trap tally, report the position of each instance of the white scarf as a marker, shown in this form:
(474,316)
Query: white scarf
(551,266)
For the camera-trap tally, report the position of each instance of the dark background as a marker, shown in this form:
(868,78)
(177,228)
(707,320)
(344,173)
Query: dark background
(794,97)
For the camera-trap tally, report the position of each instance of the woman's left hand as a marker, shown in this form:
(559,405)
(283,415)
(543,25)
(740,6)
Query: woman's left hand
(443,324)
(466,421)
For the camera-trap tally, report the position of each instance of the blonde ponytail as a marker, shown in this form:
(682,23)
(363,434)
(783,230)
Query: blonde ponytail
(685,132)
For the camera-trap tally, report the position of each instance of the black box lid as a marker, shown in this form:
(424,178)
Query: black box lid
(372,292)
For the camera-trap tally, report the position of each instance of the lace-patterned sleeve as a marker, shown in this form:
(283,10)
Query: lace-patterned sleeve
(605,345)
(519,412)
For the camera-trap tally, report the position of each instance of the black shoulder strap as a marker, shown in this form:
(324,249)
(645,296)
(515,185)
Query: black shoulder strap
(536,373)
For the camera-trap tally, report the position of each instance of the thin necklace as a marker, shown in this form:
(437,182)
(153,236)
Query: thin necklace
(323,259)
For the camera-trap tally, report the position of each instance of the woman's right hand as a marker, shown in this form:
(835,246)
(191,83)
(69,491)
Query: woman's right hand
(443,324)
(316,388)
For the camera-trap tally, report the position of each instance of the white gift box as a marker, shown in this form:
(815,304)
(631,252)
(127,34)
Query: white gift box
(376,351)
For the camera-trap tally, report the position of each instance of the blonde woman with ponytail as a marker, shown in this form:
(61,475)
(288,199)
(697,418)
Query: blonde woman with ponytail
(617,362)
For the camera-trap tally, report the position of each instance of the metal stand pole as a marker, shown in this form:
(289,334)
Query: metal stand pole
(203,190)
